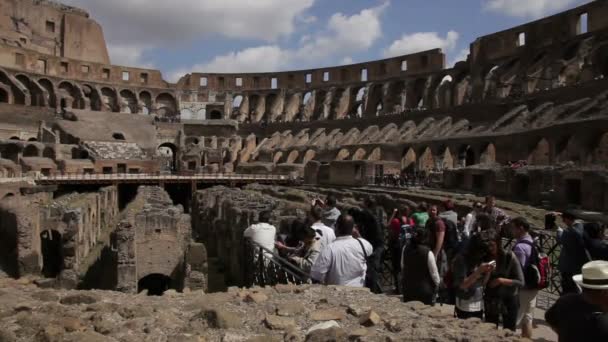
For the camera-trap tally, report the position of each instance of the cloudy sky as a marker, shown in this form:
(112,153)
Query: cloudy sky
(182,36)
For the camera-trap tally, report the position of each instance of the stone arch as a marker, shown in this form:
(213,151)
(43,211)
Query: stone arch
(49,152)
(277,157)
(257,106)
(395,99)
(466,156)
(167,154)
(307,97)
(541,154)
(79,153)
(50,92)
(36,93)
(600,153)
(319,107)
(18,96)
(292,157)
(308,156)
(32,139)
(343,154)
(359,154)
(443,94)
(128,103)
(146,100)
(109,99)
(568,149)
(4,95)
(31,151)
(11,152)
(94,99)
(71,94)
(426,162)
(375,106)
(488,154)
(237,101)
(375,155)
(408,161)
(415,97)
(186,114)
(445,159)
(166,105)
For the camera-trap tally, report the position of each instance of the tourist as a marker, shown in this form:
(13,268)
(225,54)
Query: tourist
(369,227)
(583,317)
(262,233)
(420,275)
(572,256)
(594,241)
(421,215)
(305,256)
(501,295)
(469,220)
(523,249)
(448,212)
(330,213)
(470,274)
(343,262)
(325,234)
(399,233)
(496,214)
(436,227)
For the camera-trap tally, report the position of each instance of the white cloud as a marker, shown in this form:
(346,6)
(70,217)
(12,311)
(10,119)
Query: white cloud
(526,8)
(308,20)
(461,56)
(158,22)
(131,55)
(422,41)
(343,36)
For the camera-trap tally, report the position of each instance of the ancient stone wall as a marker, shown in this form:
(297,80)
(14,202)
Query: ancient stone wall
(155,239)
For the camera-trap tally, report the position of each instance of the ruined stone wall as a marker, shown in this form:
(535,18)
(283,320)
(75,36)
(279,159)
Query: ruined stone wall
(155,238)
(83,223)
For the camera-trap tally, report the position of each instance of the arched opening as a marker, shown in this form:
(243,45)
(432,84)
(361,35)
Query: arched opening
(31,151)
(79,153)
(128,102)
(146,100)
(540,155)
(236,102)
(48,152)
(416,100)
(52,253)
(466,156)
(8,195)
(319,110)
(18,94)
(3,96)
(310,155)
(11,152)
(36,96)
(48,86)
(109,99)
(374,100)
(71,95)
(277,157)
(156,284)
(488,156)
(376,155)
(118,136)
(93,96)
(600,154)
(215,115)
(359,113)
(446,161)
(167,106)
(167,154)
(32,139)
(379,108)
(307,98)
(359,154)
(292,157)
(427,160)
(408,162)
(342,154)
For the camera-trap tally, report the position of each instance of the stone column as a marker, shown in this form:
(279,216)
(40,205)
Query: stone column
(126,265)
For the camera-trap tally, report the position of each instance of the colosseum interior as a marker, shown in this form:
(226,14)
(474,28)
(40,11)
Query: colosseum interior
(112,178)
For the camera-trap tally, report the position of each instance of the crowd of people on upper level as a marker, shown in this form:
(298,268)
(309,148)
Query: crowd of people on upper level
(439,256)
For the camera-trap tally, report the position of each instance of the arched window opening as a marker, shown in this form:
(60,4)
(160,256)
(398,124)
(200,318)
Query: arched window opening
(52,253)
(155,284)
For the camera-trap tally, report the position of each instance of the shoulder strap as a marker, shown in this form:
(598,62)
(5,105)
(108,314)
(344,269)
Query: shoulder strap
(363,248)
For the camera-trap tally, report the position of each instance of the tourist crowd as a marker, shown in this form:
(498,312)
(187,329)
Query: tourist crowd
(438,256)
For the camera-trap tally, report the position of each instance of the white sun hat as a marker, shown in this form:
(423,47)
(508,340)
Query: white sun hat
(594,275)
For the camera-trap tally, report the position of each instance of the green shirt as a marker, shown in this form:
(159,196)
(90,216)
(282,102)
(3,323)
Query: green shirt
(420,218)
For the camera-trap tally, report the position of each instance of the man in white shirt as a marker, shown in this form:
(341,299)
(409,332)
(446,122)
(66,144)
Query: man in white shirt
(325,234)
(262,233)
(343,262)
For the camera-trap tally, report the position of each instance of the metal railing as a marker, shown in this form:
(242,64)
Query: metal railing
(264,267)
(160,176)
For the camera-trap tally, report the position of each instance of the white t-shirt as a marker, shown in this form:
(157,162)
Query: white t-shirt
(342,263)
(263,234)
(325,234)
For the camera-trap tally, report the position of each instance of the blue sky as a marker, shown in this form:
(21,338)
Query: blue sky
(182,36)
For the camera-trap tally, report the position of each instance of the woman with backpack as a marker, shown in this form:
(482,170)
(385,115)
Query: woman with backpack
(398,225)
(501,297)
(419,270)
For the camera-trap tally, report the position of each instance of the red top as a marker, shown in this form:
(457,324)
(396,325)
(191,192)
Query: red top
(395,225)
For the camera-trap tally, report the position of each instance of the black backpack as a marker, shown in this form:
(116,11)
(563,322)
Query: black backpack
(454,237)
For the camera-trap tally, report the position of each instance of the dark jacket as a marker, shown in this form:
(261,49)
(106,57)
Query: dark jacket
(572,256)
(418,285)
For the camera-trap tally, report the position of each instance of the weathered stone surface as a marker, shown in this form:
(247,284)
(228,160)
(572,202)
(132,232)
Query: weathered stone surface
(280,323)
(256,297)
(290,308)
(370,318)
(327,315)
(220,318)
(79,298)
